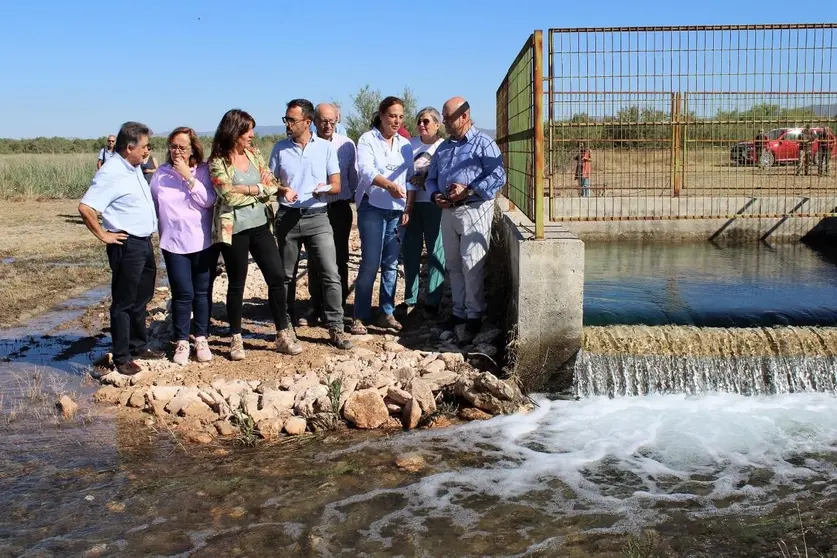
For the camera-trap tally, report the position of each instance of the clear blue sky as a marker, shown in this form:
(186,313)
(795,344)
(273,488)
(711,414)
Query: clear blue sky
(82,68)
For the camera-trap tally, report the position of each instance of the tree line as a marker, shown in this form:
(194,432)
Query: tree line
(364,104)
(642,127)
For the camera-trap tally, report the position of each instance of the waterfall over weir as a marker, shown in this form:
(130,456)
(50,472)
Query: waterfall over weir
(641,360)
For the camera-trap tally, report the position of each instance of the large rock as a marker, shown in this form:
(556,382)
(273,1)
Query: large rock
(270,428)
(67,407)
(137,399)
(185,396)
(312,401)
(421,392)
(440,380)
(411,414)
(215,401)
(452,360)
(472,413)
(364,353)
(295,426)
(107,394)
(347,369)
(366,409)
(377,380)
(234,387)
(143,377)
(490,383)
(116,379)
(309,380)
(282,401)
(164,394)
(348,385)
(398,396)
(405,374)
(393,347)
(434,367)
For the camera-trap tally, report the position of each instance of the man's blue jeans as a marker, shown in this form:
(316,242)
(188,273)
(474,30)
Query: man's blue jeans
(379,248)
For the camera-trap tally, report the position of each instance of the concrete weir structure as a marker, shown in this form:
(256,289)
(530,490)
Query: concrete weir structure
(543,294)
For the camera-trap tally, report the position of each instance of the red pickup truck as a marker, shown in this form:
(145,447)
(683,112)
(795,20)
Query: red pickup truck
(781,146)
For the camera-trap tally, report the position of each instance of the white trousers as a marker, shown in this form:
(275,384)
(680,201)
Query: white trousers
(466,233)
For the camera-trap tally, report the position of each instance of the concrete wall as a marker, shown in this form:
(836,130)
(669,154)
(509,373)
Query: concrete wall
(679,219)
(545,296)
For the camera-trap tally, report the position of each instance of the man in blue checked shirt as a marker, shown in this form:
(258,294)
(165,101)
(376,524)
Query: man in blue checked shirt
(464,176)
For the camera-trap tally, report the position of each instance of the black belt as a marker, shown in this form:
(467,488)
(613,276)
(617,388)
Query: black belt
(305,211)
(466,201)
(337,202)
(135,237)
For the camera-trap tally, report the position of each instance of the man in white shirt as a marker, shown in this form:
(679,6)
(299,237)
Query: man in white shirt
(120,192)
(339,209)
(308,166)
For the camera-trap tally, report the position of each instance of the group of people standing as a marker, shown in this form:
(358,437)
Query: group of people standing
(408,193)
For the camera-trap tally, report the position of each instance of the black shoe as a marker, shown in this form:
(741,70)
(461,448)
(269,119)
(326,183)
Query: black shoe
(473,325)
(452,322)
(128,368)
(338,338)
(148,354)
(310,319)
(431,310)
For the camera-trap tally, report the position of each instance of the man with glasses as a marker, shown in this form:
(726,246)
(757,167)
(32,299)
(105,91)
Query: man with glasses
(106,153)
(339,210)
(465,174)
(308,165)
(119,191)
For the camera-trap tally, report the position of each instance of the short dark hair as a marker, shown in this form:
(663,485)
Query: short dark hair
(130,134)
(234,124)
(305,105)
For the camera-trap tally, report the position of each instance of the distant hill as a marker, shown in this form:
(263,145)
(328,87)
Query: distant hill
(824,110)
(270,130)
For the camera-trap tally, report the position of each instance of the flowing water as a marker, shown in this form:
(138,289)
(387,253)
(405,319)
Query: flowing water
(728,442)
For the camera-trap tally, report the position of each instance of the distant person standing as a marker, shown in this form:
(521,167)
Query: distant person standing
(826,146)
(806,139)
(464,177)
(121,194)
(106,153)
(758,145)
(148,166)
(583,166)
(340,213)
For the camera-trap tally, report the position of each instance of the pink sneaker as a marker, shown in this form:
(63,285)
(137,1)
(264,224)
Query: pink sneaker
(181,353)
(202,351)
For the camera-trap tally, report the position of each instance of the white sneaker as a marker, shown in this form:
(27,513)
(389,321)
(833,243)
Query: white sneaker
(202,351)
(181,353)
(237,347)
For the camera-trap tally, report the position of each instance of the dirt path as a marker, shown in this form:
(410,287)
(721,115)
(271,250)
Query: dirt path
(46,256)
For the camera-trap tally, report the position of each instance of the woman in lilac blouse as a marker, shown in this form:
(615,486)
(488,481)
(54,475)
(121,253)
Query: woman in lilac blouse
(185,198)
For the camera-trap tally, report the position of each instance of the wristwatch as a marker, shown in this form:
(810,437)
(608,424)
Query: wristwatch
(469,191)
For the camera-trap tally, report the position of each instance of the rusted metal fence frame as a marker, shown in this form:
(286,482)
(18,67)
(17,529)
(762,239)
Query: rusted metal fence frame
(680,122)
(520,130)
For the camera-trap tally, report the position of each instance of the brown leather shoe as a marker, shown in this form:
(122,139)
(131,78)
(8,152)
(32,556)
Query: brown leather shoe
(388,321)
(339,339)
(128,369)
(286,344)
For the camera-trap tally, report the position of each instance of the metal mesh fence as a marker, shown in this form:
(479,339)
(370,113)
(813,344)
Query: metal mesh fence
(691,122)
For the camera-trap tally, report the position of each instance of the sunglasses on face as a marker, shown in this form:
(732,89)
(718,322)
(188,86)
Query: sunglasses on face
(425,121)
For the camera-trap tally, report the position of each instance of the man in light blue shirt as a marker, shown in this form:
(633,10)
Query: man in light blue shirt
(120,192)
(465,175)
(308,165)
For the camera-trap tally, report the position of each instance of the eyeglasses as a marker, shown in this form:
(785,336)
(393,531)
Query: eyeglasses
(183,148)
(290,120)
(425,121)
(111,141)
(327,122)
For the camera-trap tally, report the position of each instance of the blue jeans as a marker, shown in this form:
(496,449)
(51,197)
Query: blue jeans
(379,248)
(584,184)
(190,276)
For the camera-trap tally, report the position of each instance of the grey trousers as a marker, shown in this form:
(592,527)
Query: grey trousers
(314,231)
(466,232)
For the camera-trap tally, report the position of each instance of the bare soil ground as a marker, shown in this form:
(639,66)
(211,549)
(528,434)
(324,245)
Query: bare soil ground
(46,255)
(705,172)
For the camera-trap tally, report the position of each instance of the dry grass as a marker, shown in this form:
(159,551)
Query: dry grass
(34,397)
(51,176)
(705,172)
(48,256)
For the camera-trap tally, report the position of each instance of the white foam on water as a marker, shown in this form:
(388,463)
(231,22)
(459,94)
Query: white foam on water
(619,456)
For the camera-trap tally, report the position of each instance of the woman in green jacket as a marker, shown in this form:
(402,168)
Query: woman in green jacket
(241,223)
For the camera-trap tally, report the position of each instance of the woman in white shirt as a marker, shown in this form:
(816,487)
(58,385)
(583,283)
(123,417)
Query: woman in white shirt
(385,166)
(425,219)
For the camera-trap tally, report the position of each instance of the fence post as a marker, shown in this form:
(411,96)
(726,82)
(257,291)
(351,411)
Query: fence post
(550,167)
(537,88)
